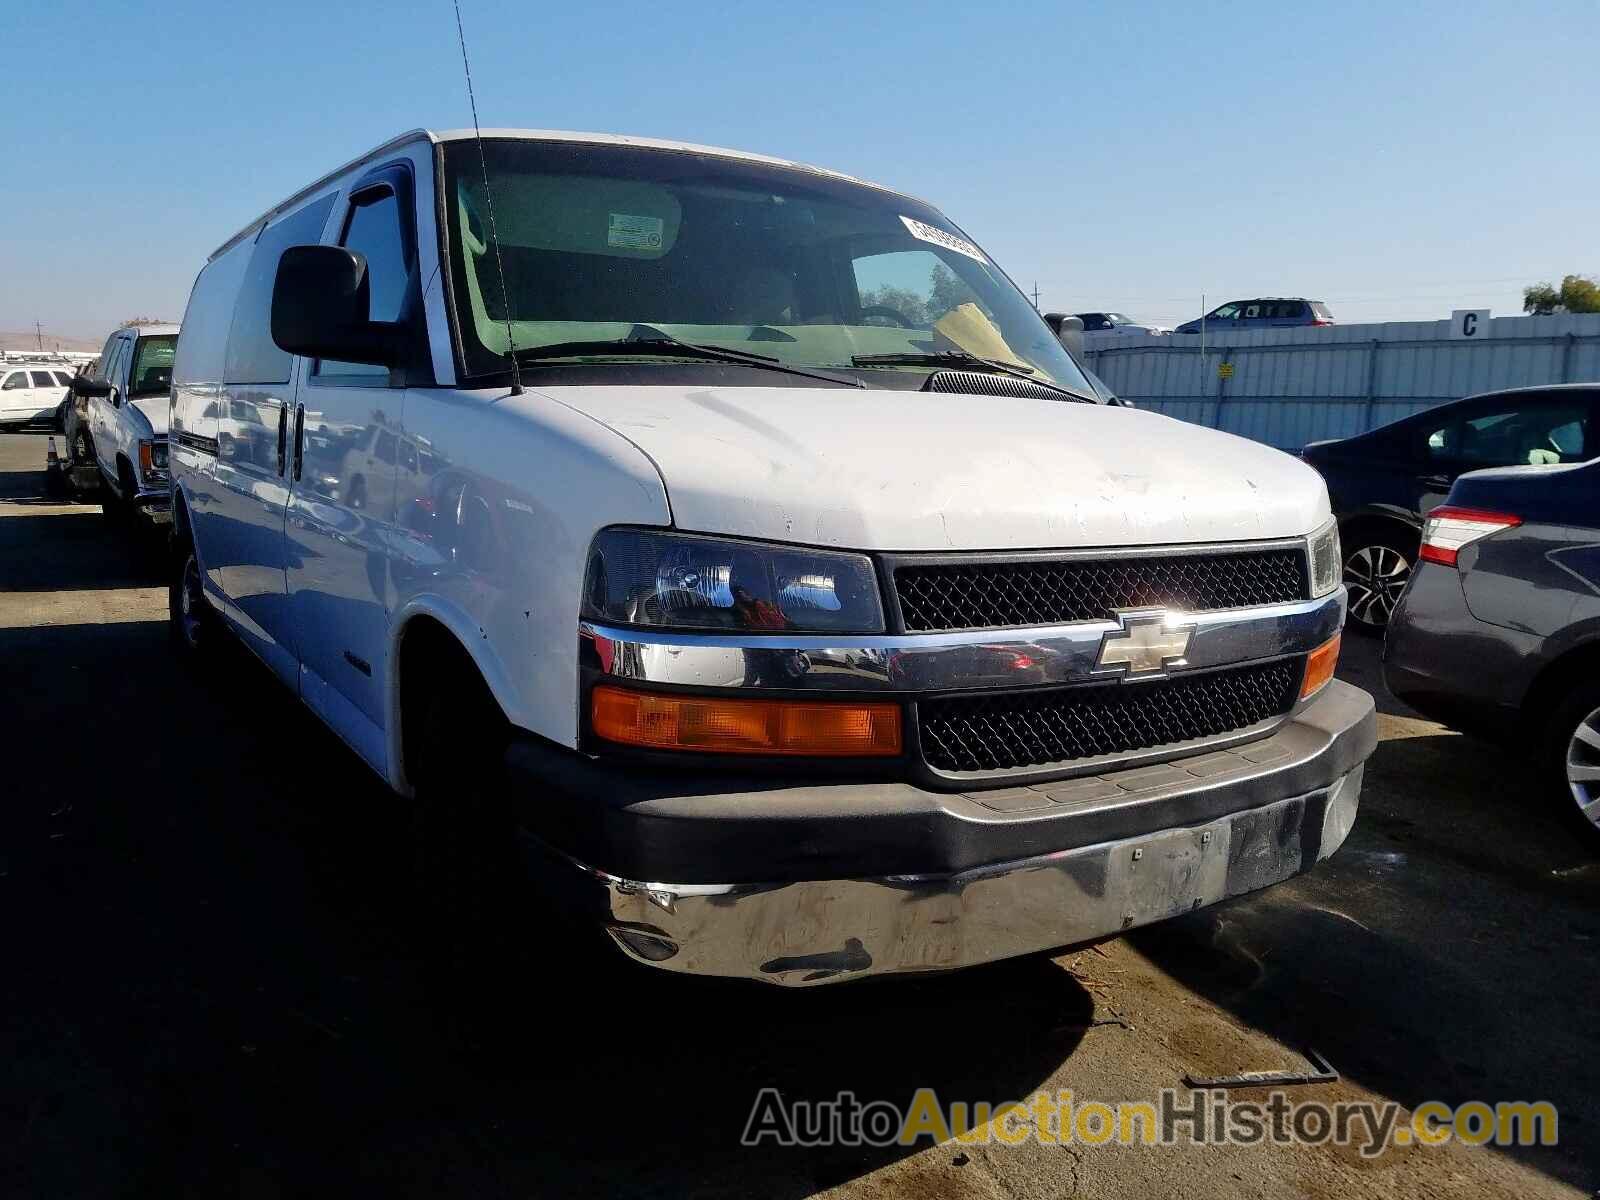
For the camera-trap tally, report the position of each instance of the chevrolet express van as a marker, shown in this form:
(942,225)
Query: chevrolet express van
(737,545)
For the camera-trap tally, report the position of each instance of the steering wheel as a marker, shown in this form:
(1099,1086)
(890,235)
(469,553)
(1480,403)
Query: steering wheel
(883,310)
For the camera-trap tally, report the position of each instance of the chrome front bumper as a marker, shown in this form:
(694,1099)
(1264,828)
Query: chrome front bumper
(825,931)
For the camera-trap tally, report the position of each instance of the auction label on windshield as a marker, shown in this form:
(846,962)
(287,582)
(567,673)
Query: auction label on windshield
(929,233)
(634,233)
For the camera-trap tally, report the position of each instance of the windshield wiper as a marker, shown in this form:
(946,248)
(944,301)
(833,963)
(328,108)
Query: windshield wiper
(647,342)
(957,359)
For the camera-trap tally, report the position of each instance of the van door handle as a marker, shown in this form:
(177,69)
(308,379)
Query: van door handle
(283,439)
(299,440)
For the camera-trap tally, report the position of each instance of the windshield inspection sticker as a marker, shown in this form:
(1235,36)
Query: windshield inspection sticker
(939,237)
(634,233)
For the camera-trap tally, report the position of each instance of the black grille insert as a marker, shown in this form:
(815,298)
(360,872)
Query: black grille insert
(981,383)
(1001,595)
(1017,730)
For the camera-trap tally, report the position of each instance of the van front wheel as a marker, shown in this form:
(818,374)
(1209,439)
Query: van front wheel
(470,904)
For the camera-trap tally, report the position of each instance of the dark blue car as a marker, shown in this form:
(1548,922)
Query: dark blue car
(1270,312)
(1384,482)
(1499,631)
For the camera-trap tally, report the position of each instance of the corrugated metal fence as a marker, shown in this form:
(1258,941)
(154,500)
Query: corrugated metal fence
(1287,387)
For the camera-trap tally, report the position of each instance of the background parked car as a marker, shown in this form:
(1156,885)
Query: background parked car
(1115,322)
(1269,312)
(128,397)
(31,392)
(1499,632)
(1384,482)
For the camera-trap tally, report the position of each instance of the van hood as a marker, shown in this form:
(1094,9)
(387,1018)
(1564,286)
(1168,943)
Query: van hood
(924,471)
(154,410)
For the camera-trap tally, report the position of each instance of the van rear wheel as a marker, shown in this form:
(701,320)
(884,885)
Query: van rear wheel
(190,619)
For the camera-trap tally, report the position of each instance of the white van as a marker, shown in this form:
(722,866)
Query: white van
(736,532)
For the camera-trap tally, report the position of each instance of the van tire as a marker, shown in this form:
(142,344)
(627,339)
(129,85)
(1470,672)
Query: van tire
(473,914)
(191,621)
(1561,749)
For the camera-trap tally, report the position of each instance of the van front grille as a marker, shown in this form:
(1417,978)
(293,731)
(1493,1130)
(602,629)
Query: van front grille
(1008,732)
(936,597)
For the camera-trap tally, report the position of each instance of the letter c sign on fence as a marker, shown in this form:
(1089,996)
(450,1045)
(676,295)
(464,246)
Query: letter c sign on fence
(1469,323)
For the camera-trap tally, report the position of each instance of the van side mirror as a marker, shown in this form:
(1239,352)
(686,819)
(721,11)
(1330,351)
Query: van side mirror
(82,385)
(321,306)
(1068,331)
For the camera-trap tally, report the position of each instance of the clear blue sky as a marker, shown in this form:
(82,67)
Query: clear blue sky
(1394,160)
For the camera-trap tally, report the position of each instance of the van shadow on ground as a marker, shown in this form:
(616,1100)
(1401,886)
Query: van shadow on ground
(1447,952)
(211,987)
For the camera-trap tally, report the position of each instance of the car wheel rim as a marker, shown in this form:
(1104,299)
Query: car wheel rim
(1583,766)
(189,601)
(1375,577)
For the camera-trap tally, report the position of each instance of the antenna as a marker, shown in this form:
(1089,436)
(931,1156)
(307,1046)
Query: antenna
(488,199)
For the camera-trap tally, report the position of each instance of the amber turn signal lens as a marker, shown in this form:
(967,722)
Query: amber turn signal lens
(1319,667)
(719,726)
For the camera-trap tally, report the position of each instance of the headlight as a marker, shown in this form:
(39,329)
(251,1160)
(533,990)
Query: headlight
(681,581)
(152,458)
(1327,566)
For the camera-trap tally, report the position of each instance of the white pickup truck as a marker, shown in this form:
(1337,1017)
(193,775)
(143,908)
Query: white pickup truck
(736,533)
(120,441)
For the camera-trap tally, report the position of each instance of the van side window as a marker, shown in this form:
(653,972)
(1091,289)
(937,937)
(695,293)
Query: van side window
(252,355)
(373,230)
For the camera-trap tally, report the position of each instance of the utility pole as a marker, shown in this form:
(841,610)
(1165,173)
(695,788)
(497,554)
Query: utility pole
(1036,295)
(38,333)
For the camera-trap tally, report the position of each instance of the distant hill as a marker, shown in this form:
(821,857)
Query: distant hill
(14,340)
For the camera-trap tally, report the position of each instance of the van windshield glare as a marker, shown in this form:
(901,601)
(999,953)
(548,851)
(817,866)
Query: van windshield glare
(795,265)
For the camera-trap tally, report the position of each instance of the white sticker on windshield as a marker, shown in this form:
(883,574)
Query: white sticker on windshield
(634,233)
(929,233)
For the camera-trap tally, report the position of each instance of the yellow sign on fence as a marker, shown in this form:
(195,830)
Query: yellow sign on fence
(1225,370)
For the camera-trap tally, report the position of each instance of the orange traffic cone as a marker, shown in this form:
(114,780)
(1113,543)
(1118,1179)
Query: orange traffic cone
(55,480)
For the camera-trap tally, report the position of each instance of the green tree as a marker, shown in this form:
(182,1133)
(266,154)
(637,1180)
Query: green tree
(903,300)
(1577,294)
(946,291)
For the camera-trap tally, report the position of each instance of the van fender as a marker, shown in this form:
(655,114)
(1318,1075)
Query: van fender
(471,636)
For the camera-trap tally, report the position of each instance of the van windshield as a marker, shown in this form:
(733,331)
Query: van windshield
(607,244)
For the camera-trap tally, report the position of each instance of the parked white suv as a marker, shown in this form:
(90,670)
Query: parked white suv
(774,570)
(126,423)
(31,393)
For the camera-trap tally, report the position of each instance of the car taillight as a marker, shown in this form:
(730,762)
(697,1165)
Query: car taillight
(1321,321)
(1448,529)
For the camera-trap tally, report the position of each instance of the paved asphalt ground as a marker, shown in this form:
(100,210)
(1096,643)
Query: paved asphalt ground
(208,987)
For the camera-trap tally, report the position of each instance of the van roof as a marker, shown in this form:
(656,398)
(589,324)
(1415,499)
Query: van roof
(156,329)
(533,135)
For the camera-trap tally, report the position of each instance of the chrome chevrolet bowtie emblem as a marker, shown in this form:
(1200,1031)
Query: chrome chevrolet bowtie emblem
(1147,644)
